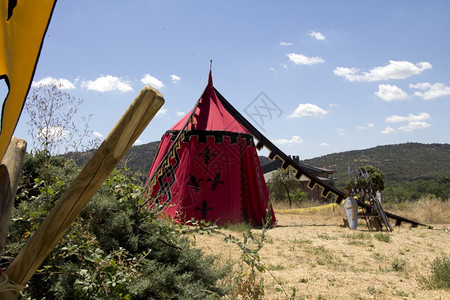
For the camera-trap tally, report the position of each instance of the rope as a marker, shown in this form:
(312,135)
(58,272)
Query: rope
(308,209)
(7,285)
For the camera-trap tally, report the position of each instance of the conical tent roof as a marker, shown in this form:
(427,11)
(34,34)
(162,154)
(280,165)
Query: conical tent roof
(210,114)
(207,168)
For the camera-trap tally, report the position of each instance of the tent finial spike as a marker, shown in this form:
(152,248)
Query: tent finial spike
(210,73)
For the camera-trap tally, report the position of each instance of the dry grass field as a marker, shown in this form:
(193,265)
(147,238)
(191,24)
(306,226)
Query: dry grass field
(313,254)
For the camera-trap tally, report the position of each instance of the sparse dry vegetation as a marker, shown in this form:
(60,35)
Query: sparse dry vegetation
(310,256)
(428,210)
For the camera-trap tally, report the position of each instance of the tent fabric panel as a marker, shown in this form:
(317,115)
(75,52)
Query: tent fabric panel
(212,191)
(210,114)
(221,182)
(255,196)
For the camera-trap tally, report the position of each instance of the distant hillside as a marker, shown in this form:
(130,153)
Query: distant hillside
(400,163)
(138,159)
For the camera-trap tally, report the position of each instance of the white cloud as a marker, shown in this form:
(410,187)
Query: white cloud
(63,84)
(300,59)
(293,140)
(180,113)
(308,110)
(409,118)
(324,144)
(340,131)
(369,125)
(388,130)
(414,122)
(394,70)
(138,142)
(161,112)
(390,93)
(97,134)
(414,125)
(175,78)
(54,133)
(153,81)
(431,91)
(285,44)
(107,83)
(317,35)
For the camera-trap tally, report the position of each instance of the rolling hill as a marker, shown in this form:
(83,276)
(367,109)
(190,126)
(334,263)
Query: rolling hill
(401,163)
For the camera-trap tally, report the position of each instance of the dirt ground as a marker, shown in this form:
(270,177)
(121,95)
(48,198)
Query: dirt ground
(314,254)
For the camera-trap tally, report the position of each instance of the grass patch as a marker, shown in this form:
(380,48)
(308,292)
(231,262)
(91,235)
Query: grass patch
(373,290)
(302,242)
(383,237)
(440,275)
(398,265)
(358,236)
(277,267)
(358,239)
(324,256)
(400,293)
(325,236)
(238,227)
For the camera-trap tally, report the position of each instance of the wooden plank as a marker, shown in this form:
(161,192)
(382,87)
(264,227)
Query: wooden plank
(9,178)
(5,200)
(382,214)
(85,185)
(398,219)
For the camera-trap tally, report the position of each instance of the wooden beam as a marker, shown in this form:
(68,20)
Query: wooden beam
(9,178)
(85,185)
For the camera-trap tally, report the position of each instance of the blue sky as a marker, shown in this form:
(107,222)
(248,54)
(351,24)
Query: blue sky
(342,75)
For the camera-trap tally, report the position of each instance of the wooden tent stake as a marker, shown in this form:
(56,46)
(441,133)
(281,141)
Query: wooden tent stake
(85,185)
(9,177)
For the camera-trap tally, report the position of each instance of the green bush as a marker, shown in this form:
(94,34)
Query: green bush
(440,275)
(114,249)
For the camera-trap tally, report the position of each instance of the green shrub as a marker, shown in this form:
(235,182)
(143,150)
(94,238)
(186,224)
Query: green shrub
(114,249)
(440,275)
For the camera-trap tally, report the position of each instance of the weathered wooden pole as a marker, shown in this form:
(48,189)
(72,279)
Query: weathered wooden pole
(9,177)
(85,185)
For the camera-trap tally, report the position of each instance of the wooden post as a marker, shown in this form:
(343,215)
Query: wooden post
(9,178)
(85,185)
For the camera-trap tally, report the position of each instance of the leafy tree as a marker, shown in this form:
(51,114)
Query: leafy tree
(414,190)
(284,186)
(367,177)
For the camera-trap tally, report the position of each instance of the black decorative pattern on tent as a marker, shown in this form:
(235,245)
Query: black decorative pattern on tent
(207,155)
(215,181)
(217,135)
(166,180)
(194,182)
(204,209)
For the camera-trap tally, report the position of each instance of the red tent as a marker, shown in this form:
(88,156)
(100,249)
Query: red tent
(207,168)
